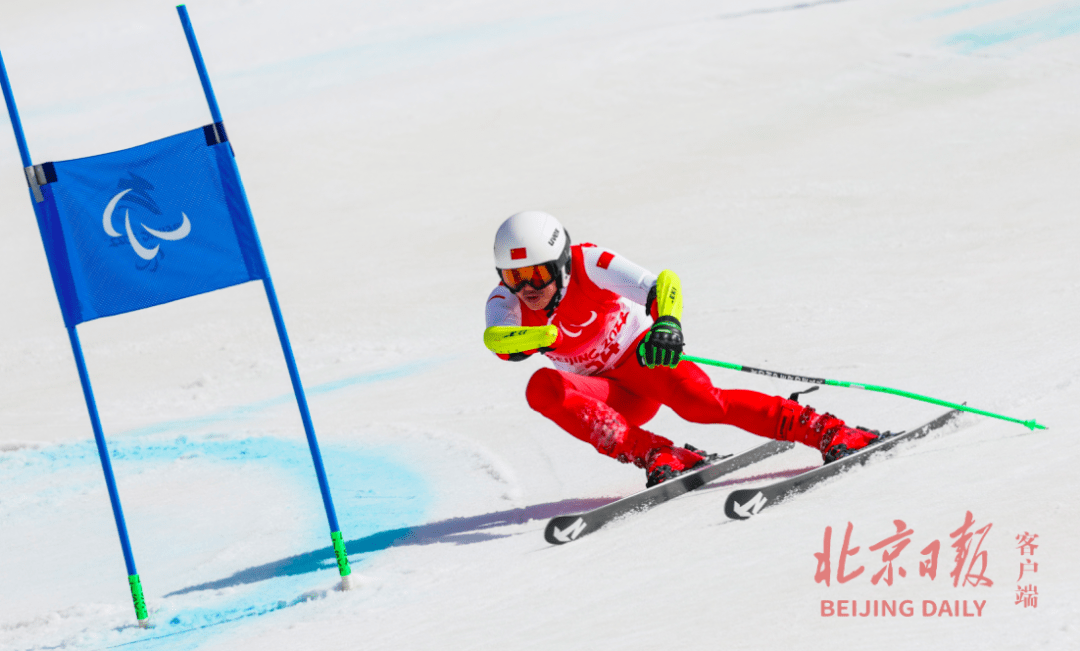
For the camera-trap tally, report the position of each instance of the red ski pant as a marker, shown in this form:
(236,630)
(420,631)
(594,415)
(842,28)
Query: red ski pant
(607,410)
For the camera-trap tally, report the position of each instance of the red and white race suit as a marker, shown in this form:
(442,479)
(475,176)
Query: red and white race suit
(601,394)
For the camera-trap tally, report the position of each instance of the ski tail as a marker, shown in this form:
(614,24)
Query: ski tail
(748,502)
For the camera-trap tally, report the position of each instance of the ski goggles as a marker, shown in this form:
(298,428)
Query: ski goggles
(538,276)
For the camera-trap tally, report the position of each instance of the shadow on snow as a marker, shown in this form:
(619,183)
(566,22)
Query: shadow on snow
(461,531)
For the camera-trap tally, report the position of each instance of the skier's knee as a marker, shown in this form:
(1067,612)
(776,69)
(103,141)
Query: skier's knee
(545,389)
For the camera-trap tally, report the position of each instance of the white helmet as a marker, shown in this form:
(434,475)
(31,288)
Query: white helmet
(534,238)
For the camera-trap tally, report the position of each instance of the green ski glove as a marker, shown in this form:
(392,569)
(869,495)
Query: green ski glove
(662,345)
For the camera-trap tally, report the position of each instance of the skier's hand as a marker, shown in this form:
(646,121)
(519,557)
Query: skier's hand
(662,345)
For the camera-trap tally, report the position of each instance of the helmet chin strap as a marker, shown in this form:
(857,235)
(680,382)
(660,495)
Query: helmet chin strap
(559,292)
(554,302)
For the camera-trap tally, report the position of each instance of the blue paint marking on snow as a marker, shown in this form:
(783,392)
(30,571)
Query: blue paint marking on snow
(394,373)
(375,493)
(976,4)
(1031,27)
(378,499)
(243,411)
(388,52)
(380,54)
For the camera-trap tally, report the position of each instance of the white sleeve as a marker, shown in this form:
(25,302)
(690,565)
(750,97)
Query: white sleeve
(611,271)
(503,308)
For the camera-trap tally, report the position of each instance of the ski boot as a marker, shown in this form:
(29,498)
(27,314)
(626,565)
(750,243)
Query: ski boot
(826,432)
(668,461)
(845,441)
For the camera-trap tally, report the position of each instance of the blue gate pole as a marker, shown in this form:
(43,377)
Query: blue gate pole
(294,374)
(110,481)
(13,113)
(84,379)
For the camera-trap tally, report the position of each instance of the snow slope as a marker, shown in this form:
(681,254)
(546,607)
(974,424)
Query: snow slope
(879,191)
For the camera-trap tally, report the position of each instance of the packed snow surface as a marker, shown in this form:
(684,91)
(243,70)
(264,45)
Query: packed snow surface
(876,191)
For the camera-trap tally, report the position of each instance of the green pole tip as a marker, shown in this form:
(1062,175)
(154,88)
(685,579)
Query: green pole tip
(1032,425)
(138,600)
(339,552)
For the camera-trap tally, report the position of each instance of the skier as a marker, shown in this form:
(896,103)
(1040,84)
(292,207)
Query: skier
(616,363)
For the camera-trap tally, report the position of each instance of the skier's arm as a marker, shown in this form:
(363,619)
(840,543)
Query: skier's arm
(665,297)
(613,272)
(504,334)
(508,340)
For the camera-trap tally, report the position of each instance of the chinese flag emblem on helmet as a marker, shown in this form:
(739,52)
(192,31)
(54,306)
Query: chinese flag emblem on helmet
(517,254)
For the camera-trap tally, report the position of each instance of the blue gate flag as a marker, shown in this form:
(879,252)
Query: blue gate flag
(146,225)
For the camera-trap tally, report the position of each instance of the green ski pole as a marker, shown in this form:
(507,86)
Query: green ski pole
(1030,424)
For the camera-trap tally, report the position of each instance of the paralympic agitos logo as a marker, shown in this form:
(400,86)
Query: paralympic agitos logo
(134,193)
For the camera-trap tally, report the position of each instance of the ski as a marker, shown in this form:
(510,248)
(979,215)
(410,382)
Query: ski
(568,528)
(745,503)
